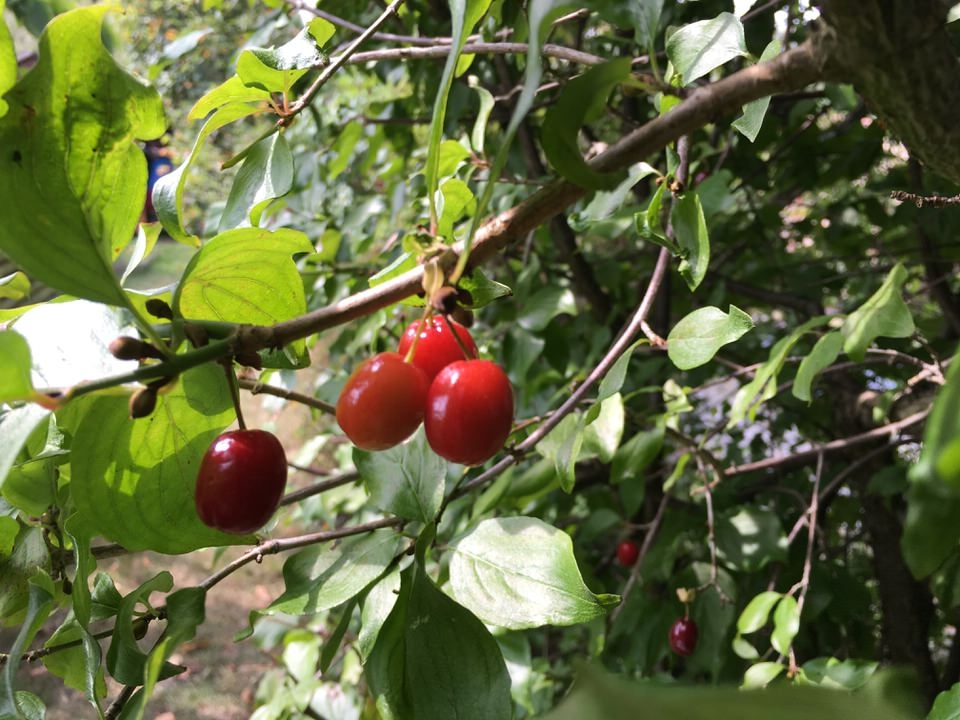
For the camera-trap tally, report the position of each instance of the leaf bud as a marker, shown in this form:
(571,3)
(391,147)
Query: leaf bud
(143,402)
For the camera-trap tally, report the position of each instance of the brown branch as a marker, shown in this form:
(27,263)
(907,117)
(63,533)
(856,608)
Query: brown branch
(936,201)
(791,70)
(256,388)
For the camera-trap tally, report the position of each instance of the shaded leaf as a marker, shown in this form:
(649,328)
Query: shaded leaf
(698,336)
(690,233)
(266,174)
(884,314)
(822,356)
(406,480)
(753,112)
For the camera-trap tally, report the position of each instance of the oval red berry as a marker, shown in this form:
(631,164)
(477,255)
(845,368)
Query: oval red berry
(436,345)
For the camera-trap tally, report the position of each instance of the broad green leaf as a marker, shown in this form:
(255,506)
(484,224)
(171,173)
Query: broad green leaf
(850,674)
(690,233)
(764,384)
(647,21)
(377,605)
(277,69)
(126,661)
(546,304)
(39,606)
(635,456)
(8,62)
(743,649)
(247,276)
(757,611)
(15,286)
(940,456)
(31,485)
(434,660)
(612,382)
(266,174)
(702,46)
(457,202)
(606,204)
(343,147)
(482,289)
(822,356)
(786,624)
(698,336)
(15,366)
(452,153)
(750,538)
(229,92)
(597,695)
(885,314)
(562,446)
(519,572)
(464,15)
(133,480)
(580,103)
(168,190)
(71,176)
(761,674)
(321,577)
(947,705)
(753,112)
(331,645)
(406,480)
(29,560)
(602,435)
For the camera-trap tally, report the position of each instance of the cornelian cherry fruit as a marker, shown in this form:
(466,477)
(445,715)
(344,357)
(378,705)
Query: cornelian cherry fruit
(469,411)
(683,636)
(241,480)
(436,345)
(627,553)
(382,402)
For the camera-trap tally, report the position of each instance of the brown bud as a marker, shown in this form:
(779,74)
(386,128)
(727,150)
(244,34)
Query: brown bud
(159,309)
(131,348)
(444,300)
(142,402)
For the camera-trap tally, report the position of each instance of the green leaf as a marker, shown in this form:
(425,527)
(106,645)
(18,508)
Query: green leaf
(29,560)
(612,382)
(39,607)
(947,705)
(71,176)
(377,604)
(750,538)
(230,92)
(520,572)
(753,112)
(562,447)
(266,174)
(580,103)
(477,136)
(8,62)
(699,47)
(15,286)
(755,614)
(597,695)
(649,224)
(690,232)
(885,314)
(464,15)
(698,336)
(15,366)
(457,202)
(764,384)
(132,480)
(546,304)
(850,674)
(277,69)
(822,356)
(761,674)
(786,624)
(434,660)
(602,435)
(406,480)
(320,577)
(941,436)
(482,289)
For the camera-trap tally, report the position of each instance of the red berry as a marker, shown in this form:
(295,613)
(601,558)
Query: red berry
(627,553)
(437,347)
(469,411)
(382,403)
(683,636)
(241,481)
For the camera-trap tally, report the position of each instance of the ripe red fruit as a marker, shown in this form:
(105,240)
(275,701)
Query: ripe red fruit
(437,346)
(627,553)
(683,636)
(241,480)
(383,401)
(469,411)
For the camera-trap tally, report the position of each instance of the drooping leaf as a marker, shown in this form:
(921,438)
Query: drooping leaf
(698,336)
(761,674)
(786,624)
(8,62)
(230,92)
(519,572)
(603,433)
(321,577)
(15,366)
(702,46)
(72,178)
(754,616)
(434,660)
(266,174)
(133,480)
(753,112)
(39,606)
(822,356)
(406,480)
(690,232)
(581,101)
(884,314)
(562,448)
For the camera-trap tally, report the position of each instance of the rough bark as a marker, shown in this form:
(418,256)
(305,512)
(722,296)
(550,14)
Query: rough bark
(899,56)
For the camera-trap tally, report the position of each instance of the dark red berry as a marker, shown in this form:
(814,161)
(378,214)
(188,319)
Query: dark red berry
(627,553)
(683,636)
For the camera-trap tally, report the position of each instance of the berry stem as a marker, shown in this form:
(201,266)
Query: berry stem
(234,386)
(456,336)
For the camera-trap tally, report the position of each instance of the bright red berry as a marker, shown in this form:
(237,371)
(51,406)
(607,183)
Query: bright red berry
(437,347)
(627,553)
(241,480)
(382,403)
(469,411)
(683,636)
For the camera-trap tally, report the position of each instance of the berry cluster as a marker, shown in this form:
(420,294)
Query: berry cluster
(434,377)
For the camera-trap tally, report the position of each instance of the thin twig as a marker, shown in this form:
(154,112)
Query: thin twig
(320,487)
(257,388)
(804,585)
(644,549)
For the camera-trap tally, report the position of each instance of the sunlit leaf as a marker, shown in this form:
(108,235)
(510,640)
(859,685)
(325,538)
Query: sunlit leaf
(884,314)
(702,46)
(698,336)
